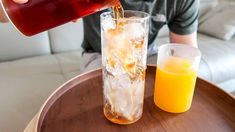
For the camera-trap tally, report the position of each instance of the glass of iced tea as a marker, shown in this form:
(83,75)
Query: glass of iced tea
(40,15)
(176,76)
(124,55)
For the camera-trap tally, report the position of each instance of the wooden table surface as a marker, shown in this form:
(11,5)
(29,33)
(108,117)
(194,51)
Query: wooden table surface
(77,107)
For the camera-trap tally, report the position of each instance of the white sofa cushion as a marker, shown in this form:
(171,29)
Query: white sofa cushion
(163,32)
(220,22)
(67,37)
(219,57)
(14,45)
(205,6)
(26,83)
(228,86)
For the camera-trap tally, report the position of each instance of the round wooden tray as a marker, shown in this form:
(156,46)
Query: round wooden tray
(77,107)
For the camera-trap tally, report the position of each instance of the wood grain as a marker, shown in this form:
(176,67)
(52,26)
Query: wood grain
(77,107)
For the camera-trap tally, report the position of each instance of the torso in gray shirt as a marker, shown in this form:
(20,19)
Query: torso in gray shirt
(180,16)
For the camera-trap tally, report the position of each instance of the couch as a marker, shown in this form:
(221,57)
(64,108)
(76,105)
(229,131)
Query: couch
(31,68)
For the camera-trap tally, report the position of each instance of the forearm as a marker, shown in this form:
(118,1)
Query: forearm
(3,18)
(190,39)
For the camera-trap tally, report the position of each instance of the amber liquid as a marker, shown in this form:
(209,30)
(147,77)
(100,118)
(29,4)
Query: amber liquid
(115,117)
(40,15)
(118,13)
(118,118)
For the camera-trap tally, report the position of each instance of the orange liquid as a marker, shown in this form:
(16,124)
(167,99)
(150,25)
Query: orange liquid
(174,85)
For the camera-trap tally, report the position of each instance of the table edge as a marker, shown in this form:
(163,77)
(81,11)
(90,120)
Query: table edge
(58,89)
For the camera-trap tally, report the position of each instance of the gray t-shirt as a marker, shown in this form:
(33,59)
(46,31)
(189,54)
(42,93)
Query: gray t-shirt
(180,16)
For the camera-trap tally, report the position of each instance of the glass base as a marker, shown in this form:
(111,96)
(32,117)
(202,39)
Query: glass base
(171,111)
(115,118)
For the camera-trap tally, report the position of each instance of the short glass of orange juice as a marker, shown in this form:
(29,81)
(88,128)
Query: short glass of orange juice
(176,76)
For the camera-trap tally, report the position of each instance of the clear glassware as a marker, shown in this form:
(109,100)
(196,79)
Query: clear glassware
(124,56)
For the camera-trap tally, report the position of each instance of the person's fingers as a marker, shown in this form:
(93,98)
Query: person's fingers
(3,17)
(20,1)
(75,20)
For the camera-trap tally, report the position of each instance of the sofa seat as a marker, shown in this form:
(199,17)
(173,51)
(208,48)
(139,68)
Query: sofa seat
(228,86)
(218,64)
(219,56)
(25,84)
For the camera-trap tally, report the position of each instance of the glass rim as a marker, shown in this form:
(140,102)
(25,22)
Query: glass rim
(198,52)
(146,16)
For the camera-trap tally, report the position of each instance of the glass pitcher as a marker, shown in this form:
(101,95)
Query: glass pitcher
(40,15)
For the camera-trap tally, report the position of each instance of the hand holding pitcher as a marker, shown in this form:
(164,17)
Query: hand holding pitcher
(3,18)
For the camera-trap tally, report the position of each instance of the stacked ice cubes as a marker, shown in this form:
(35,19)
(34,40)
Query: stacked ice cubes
(124,63)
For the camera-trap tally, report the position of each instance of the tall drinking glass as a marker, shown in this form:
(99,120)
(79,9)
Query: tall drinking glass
(176,77)
(124,55)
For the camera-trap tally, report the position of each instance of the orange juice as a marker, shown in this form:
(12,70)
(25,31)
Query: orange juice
(174,85)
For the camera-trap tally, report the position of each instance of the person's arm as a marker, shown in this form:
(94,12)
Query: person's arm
(190,39)
(183,27)
(3,18)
